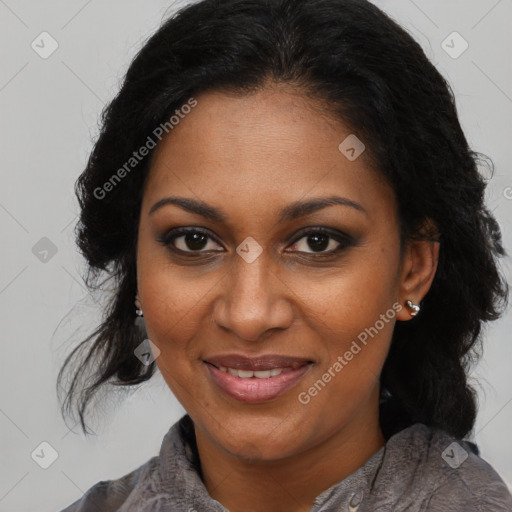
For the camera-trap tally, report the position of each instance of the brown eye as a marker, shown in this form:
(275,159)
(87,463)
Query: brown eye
(322,241)
(191,240)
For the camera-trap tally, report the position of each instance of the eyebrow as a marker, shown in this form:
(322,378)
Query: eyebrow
(290,212)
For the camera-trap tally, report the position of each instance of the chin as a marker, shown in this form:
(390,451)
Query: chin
(262,440)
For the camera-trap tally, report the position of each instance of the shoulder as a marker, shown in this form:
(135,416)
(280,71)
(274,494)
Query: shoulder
(427,466)
(464,479)
(163,479)
(110,495)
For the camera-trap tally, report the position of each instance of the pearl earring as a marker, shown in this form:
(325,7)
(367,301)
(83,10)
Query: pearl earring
(138,309)
(415,309)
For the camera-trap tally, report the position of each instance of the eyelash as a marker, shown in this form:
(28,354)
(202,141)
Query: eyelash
(343,239)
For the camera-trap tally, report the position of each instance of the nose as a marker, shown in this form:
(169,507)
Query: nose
(253,300)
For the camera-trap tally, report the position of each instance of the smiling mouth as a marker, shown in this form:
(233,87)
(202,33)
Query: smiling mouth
(254,380)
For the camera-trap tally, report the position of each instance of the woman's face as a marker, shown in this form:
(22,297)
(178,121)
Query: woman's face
(254,286)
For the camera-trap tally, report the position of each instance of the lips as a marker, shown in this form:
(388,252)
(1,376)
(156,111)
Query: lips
(256,379)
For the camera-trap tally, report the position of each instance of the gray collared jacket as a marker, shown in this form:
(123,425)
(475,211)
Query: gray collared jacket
(420,469)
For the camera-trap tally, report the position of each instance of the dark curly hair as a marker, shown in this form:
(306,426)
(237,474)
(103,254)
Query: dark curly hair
(373,76)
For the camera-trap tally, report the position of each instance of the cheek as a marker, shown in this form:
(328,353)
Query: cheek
(173,316)
(343,302)
(172,296)
(172,313)
(353,313)
(169,305)
(353,341)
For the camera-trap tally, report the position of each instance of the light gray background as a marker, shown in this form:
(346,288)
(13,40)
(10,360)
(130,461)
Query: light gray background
(50,109)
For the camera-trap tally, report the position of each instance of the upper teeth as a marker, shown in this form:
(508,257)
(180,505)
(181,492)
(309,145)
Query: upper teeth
(247,374)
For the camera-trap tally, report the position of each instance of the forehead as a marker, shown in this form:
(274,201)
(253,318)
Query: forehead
(273,146)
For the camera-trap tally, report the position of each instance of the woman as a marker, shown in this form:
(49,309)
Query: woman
(285,191)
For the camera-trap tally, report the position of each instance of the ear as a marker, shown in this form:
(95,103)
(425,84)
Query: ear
(419,265)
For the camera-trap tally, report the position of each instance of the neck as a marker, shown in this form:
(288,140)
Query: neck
(290,484)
